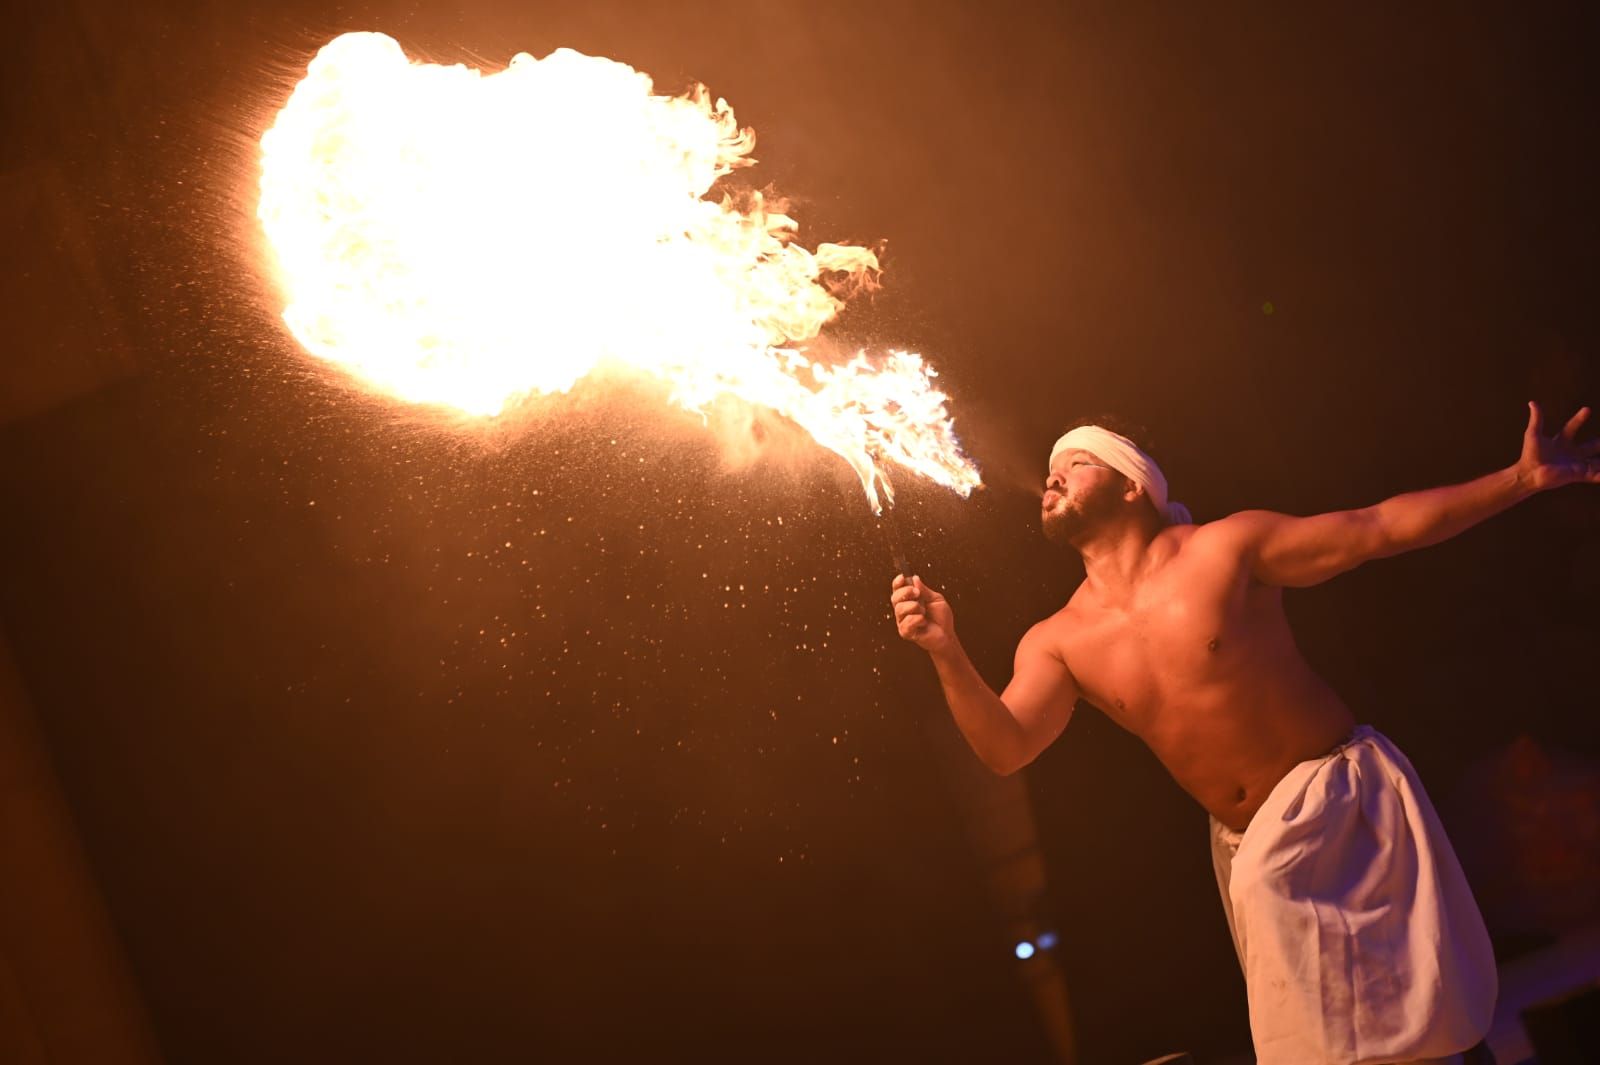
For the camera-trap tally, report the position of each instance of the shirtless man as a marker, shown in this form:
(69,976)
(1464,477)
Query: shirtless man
(1358,936)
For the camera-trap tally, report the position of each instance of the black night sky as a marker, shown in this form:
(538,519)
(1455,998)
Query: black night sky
(579,739)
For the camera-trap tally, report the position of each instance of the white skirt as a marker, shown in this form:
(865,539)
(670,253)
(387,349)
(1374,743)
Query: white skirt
(1358,935)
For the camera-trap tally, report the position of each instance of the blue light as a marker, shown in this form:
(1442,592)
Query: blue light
(1046,940)
(1024,950)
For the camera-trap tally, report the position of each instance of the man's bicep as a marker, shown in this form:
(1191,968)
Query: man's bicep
(1294,552)
(1041,694)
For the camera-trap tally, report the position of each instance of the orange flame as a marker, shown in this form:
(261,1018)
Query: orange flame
(467,240)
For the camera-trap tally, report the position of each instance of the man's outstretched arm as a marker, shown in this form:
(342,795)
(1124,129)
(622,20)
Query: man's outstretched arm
(1297,552)
(1005,731)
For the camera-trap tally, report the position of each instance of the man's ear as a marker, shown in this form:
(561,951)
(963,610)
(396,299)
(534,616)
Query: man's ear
(1133,491)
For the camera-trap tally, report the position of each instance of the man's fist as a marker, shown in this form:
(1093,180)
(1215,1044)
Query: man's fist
(922,615)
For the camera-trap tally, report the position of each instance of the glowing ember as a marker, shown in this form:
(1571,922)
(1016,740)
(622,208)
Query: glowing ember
(467,240)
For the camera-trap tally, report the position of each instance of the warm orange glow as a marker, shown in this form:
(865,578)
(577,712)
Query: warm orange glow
(466,239)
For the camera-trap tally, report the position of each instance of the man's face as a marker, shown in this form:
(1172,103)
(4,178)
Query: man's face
(1080,492)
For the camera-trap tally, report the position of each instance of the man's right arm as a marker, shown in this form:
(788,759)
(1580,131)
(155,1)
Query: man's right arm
(1005,731)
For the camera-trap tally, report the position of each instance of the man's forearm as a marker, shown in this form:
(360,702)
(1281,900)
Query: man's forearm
(1418,519)
(994,735)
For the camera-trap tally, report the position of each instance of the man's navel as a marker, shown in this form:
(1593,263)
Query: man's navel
(1213,644)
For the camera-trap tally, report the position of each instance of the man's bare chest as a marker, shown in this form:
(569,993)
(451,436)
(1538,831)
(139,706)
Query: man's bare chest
(1178,634)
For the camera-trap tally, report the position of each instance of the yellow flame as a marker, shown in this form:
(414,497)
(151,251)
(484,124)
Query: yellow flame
(455,238)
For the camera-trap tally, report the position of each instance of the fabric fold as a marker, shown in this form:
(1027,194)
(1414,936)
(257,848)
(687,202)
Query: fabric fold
(1359,937)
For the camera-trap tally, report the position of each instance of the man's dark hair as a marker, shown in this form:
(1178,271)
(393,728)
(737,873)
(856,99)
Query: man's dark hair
(1122,427)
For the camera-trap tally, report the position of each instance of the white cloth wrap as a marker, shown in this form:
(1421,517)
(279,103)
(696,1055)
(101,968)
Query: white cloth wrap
(1358,935)
(1124,456)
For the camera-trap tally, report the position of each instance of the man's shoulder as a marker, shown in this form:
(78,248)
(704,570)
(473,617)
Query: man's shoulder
(1052,628)
(1048,637)
(1198,555)
(1231,533)
(1052,623)
(1240,525)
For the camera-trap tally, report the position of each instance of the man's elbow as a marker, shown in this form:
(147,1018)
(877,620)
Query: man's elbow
(1376,536)
(1008,763)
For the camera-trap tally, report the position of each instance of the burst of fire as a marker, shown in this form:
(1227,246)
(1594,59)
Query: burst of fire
(468,240)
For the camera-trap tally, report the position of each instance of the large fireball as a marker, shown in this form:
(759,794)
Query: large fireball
(464,239)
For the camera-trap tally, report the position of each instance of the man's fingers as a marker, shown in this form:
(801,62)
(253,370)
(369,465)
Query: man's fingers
(900,581)
(910,601)
(1575,422)
(1533,418)
(914,591)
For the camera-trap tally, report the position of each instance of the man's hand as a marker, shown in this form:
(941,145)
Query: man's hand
(1552,461)
(1005,731)
(923,615)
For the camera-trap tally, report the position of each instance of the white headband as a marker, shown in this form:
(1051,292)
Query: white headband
(1124,456)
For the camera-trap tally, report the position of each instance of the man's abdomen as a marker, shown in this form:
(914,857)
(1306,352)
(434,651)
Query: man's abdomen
(1228,745)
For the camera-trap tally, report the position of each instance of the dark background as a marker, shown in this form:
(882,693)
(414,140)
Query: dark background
(570,740)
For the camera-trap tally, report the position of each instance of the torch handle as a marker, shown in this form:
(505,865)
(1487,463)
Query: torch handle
(897,551)
(886,518)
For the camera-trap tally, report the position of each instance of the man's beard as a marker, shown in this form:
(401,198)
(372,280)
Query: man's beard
(1066,525)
